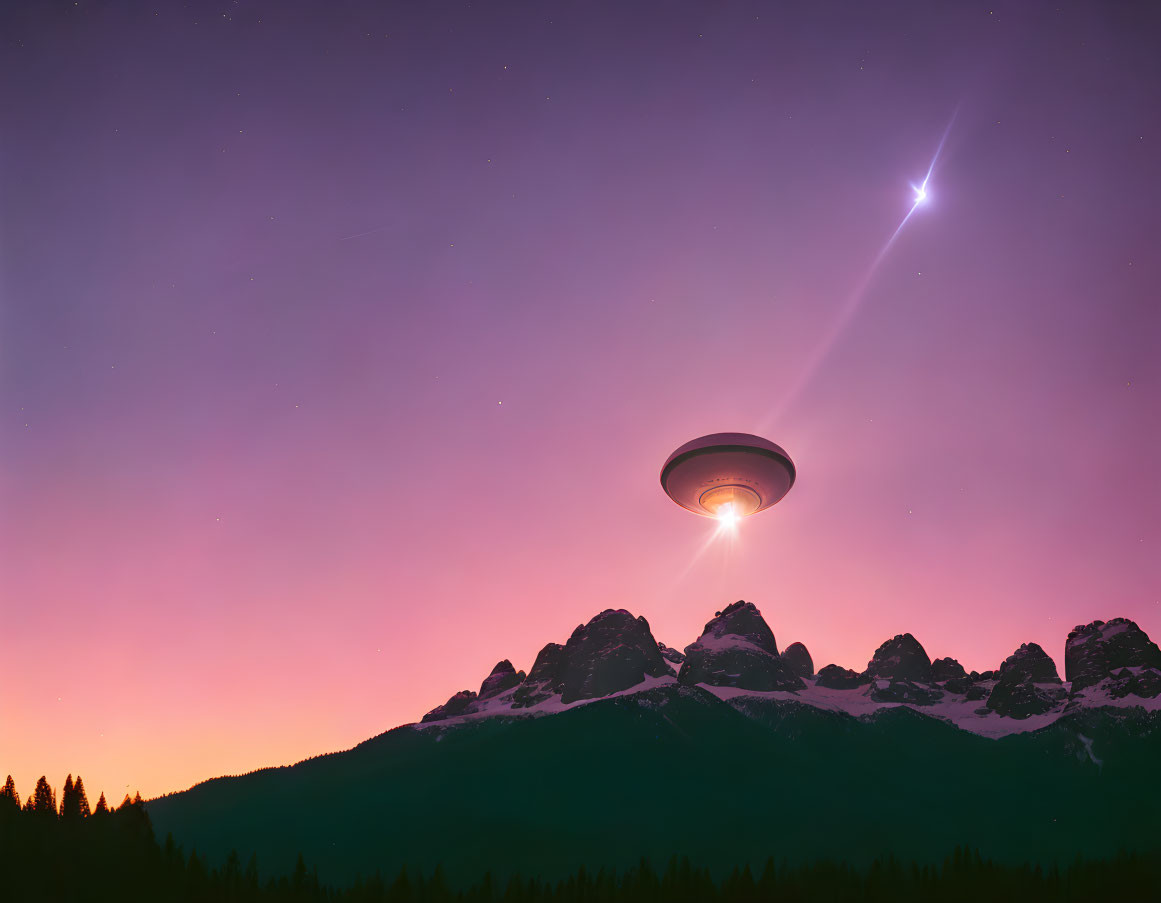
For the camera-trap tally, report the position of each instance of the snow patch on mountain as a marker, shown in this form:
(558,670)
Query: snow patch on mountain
(1101,696)
(966,714)
(553,705)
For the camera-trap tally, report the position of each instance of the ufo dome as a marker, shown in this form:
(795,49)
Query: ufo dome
(734,474)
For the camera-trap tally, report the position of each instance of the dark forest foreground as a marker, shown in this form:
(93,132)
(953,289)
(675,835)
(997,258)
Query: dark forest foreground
(50,853)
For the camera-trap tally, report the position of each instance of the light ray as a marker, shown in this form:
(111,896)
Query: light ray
(723,529)
(851,305)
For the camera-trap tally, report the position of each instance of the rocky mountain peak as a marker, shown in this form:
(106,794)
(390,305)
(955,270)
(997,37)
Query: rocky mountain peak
(503,677)
(612,652)
(737,649)
(1030,662)
(457,705)
(1021,690)
(946,669)
(798,660)
(835,677)
(1094,651)
(900,658)
(544,680)
(744,621)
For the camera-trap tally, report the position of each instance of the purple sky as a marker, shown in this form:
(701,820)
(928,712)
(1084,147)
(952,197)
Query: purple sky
(269,271)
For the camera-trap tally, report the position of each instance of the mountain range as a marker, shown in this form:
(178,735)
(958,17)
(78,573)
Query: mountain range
(614,746)
(1111,663)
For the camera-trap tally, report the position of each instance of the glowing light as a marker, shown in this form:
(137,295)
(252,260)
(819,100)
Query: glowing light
(727,516)
(851,306)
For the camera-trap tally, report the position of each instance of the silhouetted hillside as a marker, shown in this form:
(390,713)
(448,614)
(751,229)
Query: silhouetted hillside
(675,770)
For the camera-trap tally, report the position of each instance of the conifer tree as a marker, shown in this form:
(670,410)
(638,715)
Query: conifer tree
(9,798)
(82,799)
(43,798)
(68,802)
(299,878)
(437,886)
(102,806)
(196,873)
(250,879)
(401,888)
(231,874)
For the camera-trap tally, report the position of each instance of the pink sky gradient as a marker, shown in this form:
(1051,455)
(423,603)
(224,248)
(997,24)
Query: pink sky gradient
(259,498)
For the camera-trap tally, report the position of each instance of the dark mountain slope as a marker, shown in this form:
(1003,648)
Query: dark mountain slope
(675,770)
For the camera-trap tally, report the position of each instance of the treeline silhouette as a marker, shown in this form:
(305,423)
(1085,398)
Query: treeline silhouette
(67,852)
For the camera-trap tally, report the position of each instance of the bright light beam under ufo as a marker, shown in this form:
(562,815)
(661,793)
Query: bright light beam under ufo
(721,530)
(855,299)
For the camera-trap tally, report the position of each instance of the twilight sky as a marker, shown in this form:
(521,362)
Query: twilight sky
(341,346)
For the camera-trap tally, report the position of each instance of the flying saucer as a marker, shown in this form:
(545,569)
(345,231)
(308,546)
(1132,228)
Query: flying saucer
(727,475)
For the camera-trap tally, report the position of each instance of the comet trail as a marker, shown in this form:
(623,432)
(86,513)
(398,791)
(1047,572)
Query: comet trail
(361,234)
(855,298)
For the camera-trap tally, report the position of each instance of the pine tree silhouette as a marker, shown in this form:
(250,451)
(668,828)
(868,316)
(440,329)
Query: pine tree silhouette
(196,877)
(102,806)
(250,879)
(43,798)
(401,889)
(70,800)
(9,798)
(231,875)
(66,795)
(82,799)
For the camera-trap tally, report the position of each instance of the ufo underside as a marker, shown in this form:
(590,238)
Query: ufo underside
(732,474)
